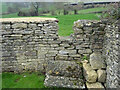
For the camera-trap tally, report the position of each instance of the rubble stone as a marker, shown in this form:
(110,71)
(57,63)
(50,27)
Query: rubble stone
(89,73)
(96,85)
(96,61)
(101,75)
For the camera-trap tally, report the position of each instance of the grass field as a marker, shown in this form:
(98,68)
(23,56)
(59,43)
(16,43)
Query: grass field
(25,80)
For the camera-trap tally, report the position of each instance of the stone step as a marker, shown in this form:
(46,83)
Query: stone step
(64,68)
(66,74)
(66,82)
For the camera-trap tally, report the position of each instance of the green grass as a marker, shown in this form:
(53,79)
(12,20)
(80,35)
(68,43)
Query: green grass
(26,80)
(10,15)
(33,80)
(90,10)
(65,21)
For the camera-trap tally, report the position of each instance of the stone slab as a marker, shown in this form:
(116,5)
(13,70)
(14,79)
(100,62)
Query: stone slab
(60,81)
(64,68)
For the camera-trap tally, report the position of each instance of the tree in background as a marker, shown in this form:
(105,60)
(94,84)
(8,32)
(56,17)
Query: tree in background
(76,6)
(35,7)
(14,7)
(59,7)
(66,9)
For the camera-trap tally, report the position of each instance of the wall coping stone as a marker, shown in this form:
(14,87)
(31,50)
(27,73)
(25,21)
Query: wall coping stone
(27,19)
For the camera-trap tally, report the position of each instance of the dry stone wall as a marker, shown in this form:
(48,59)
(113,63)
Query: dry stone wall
(33,44)
(87,38)
(25,44)
(112,54)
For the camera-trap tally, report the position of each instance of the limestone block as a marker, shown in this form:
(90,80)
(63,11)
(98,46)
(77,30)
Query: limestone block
(83,45)
(78,24)
(72,52)
(41,65)
(64,45)
(61,81)
(61,57)
(30,53)
(78,31)
(64,68)
(52,52)
(6,27)
(101,75)
(95,86)
(97,61)
(19,25)
(63,52)
(28,32)
(86,51)
(89,73)
(80,36)
(17,31)
(40,25)
(42,52)
(76,56)
(78,47)
(32,26)
(32,66)
(96,46)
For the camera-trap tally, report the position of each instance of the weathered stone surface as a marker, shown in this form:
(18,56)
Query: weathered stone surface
(63,52)
(64,68)
(112,55)
(6,27)
(61,57)
(89,73)
(66,52)
(78,24)
(32,26)
(95,86)
(66,82)
(86,51)
(101,75)
(30,53)
(40,25)
(67,38)
(41,65)
(97,61)
(78,31)
(19,25)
